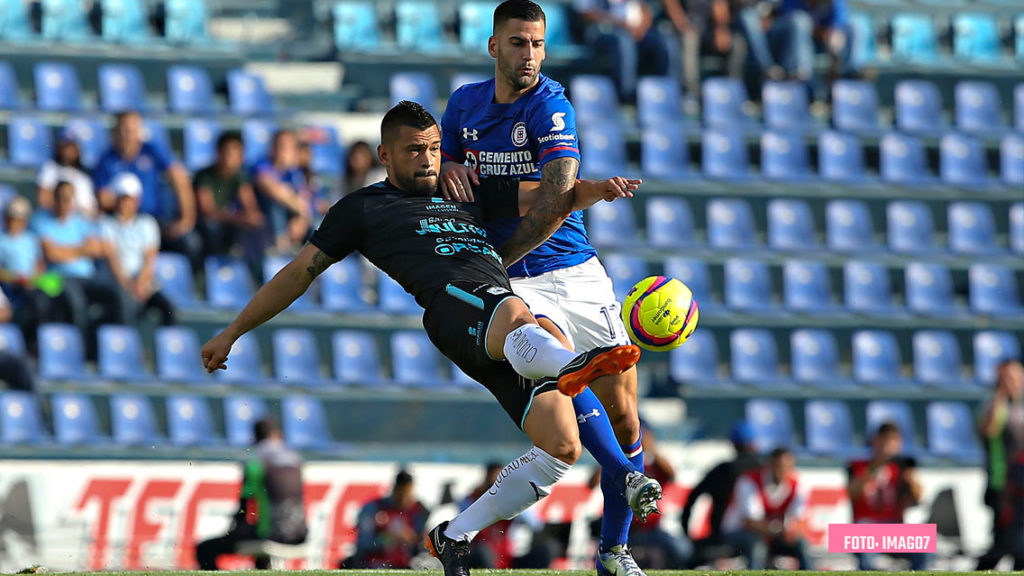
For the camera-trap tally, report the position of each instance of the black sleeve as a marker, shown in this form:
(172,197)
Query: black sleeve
(849,473)
(342,228)
(498,197)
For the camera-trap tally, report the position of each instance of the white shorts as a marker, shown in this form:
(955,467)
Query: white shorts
(579,300)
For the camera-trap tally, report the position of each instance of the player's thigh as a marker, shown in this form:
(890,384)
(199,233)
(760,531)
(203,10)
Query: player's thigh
(550,423)
(593,315)
(541,295)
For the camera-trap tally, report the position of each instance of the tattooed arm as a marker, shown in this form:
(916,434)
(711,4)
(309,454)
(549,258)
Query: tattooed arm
(553,205)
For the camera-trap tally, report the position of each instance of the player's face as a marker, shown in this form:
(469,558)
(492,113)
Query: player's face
(518,49)
(413,160)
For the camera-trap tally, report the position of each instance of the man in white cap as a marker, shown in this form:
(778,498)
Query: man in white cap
(130,243)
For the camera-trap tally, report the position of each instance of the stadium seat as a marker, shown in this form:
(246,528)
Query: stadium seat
(658,101)
(177,354)
(814,358)
(848,226)
(972,228)
(304,423)
(694,273)
(189,421)
(66,21)
(951,433)
(305,302)
(240,415)
(991,347)
(1018,27)
(603,152)
(257,134)
(189,90)
(415,87)
(356,358)
(748,286)
(994,291)
(326,148)
(791,225)
(475,23)
(29,141)
(855,106)
(133,421)
(341,286)
(125,21)
(1018,101)
(867,288)
(228,284)
(879,412)
(663,152)
(296,357)
(175,276)
(910,226)
(460,79)
(120,353)
(121,88)
(695,363)
(976,37)
(863,44)
(914,38)
(784,156)
(807,288)
(557,32)
(754,359)
(723,103)
(10,90)
(74,420)
(21,421)
(245,362)
(669,222)
(392,298)
(828,429)
(185,21)
(730,224)
(978,107)
(11,339)
(1011,160)
(155,133)
(918,106)
(937,359)
(595,99)
(92,136)
(785,106)
(902,159)
(611,224)
(876,359)
(962,160)
(841,157)
(724,155)
(418,25)
(247,95)
(61,352)
(15,23)
(625,270)
(414,360)
(1017,227)
(460,378)
(929,289)
(355,26)
(200,140)
(772,424)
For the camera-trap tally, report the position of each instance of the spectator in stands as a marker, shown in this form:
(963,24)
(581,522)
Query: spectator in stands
(705,26)
(361,167)
(150,163)
(283,193)
(766,514)
(21,264)
(317,188)
(1001,426)
(882,487)
(624,29)
(131,242)
(390,529)
(14,370)
(66,166)
(1011,521)
(271,506)
(225,197)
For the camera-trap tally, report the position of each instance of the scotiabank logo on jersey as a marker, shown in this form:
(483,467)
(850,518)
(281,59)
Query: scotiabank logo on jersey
(506,163)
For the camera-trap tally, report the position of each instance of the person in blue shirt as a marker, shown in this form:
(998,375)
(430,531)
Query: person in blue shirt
(520,125)
(283,193)
(21,263)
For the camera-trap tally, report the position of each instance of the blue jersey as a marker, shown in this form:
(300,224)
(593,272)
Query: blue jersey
(517,140)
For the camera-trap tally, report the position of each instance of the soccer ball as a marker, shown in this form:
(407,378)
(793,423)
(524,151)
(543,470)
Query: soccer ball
(660,313)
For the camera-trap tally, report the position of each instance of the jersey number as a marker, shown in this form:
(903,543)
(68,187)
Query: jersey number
(611,314)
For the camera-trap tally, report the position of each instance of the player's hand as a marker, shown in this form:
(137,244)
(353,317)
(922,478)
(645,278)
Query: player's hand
(215,352)
(457,181)
(619,187)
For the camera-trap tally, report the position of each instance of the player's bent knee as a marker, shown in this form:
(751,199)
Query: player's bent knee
(565,449)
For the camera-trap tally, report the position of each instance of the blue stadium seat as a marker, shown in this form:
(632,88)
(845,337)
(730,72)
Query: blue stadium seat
(1017,227)
(669,222)
(247,95)
(304,423)
(356,358)
(21,421)
(918,106)
(848,226)
(189,421)
(557,33)
(937,359)
(241,413)
(730,224)
(603,151)
(663,152)
(658,101)
(355,26)
(902,159)
(994,291)
(694,273)
(978,107)
(972,228)
(748,286)
(10,90)
(625,270)
(828,429)
(785,106)
(61,352)
(929,289)
(814,359)
(723,102)
(595,99)
(228,284)
(784,156)
(341,286)
(175,276)
(326,148)
(914,38)
(611,224)
(92,136)
(245,362)
(1011,160)
(121,88)
(806,287)
(418,25)
(772,424)
(991,347)
(120,353)
(185,21)
(133,421)
(177,354)
(460,79)
(257,134)
(304,303)
(841,157)
(74,420)
(791,225)
(125,21)
(876,359)
(392,298)
(867,288)
(962,160)
(414,360)
(296,357)
(66,21)
(695,363)
(754,358)
(724,155)
(475,23)
(1018,100)
(1018,27)
(855,106)
(29,142)
(976,36)
(898,412)
(200,140)
(910,226)
(189,90)
(15,23)
(863,45)
(951,433)
(415,87)
(11,339)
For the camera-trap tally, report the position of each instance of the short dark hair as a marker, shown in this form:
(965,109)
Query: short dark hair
(229,137)
(264,428)
(125,114)
(887,428)
(525,10)
(403,478)
(779,452)
(405,113)
(281,134)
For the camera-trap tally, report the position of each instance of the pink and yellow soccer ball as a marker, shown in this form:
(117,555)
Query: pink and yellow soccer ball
(660,313)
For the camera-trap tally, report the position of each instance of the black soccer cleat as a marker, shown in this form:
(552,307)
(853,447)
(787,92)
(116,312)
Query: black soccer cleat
(594,364)
(453,554)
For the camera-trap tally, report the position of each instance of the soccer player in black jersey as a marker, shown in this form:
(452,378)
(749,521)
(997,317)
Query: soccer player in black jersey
(438,251)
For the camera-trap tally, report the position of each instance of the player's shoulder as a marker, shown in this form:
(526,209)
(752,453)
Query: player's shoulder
(550,90)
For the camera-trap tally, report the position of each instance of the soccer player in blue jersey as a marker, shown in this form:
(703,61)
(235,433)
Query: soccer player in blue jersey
(520,124)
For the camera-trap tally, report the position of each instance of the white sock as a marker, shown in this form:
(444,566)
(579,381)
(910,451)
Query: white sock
(534,353)
(521,483)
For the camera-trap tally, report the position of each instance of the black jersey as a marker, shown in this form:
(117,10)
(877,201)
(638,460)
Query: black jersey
(423,242)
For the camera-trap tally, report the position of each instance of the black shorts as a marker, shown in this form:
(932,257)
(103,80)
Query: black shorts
(457,320)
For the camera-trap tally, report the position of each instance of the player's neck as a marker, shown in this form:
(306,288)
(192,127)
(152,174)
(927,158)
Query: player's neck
(505,94)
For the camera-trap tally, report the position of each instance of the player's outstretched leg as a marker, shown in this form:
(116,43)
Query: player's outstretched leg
(453,554)
(593,364)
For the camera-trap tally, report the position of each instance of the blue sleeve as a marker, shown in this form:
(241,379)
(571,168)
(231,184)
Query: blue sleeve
(451,145)
(552,127)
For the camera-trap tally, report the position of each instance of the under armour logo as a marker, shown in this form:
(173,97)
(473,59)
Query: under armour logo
(582,418)
(468,134)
